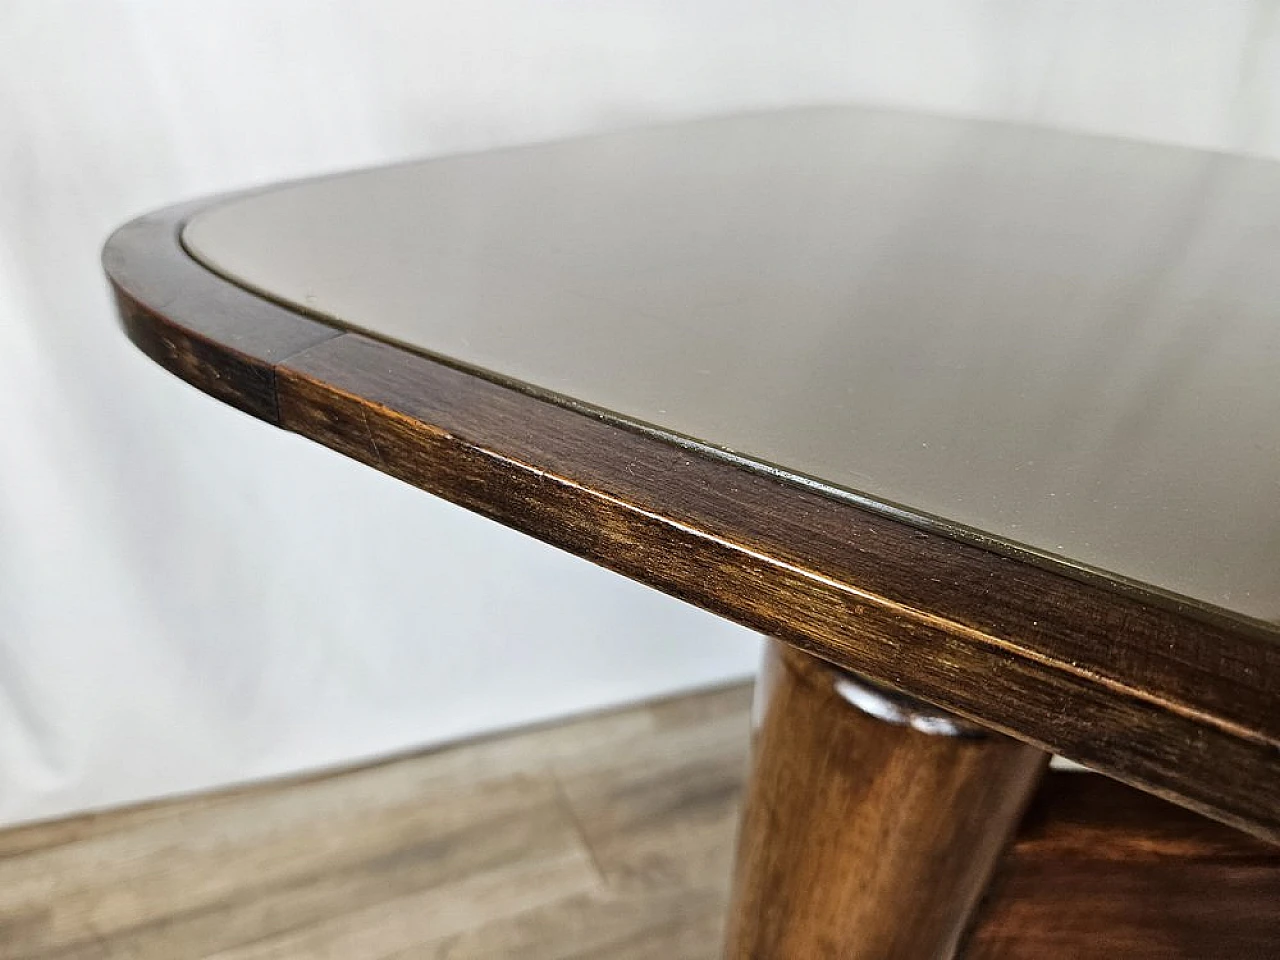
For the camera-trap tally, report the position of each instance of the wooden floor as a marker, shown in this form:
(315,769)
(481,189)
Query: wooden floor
(608,837)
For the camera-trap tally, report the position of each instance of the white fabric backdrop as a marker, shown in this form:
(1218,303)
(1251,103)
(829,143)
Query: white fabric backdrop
(146,644)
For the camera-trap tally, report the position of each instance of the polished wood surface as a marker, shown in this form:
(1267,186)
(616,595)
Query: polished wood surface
(1101,872)
(862,839)
(1171,697)
(606,838)
(1058,342)
(195,324)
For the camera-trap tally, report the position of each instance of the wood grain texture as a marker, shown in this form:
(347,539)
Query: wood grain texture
(545,844)
(196,325)
(860,838)
(1100,871)
(606,838)
(1177,699)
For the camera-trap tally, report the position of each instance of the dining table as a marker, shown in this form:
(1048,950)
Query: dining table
(978,422)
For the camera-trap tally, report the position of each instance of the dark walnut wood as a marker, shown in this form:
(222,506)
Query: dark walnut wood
(1100,871)
(195,324)
(1169,697)
(862,838)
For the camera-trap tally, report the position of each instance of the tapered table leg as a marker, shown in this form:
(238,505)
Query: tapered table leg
(871,825)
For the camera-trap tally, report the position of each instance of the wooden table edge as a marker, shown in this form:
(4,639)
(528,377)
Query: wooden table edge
(1023,649)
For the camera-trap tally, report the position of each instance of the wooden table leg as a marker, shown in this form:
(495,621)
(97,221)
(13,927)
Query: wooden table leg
(869,831)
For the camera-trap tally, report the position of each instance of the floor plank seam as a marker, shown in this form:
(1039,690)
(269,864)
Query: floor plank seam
(579,830)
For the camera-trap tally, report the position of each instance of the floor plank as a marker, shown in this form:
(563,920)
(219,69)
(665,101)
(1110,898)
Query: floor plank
(609,836)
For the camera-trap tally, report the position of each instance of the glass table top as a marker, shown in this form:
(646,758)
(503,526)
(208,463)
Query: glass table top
(1062,343)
